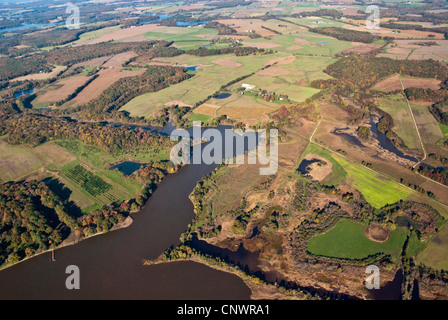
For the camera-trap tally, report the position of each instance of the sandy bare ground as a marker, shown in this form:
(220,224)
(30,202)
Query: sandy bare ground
(106,78)
(301,41)
(127,33)
(41,76)
(93,62)
(61,89)
(207,109)
(410,49)
(227,62)
(262,45)
(177,103)
(278,71)
(393,83)
(376,233)
(244,25)
(318,170)
(250,116)
(282,60)
(404,34)
(294,48)
(362,48)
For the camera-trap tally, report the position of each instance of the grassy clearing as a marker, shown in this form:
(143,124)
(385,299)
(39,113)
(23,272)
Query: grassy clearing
(80,167)
(21,160)
(435,253)
(94,34)
(414,246)
(404,127)
(427,124)
(315,22)
(101,187)
(17,161)
(443,128)
(228,184)
(309,43)
(199,117)
(347,240)
(377,190)
(184,38)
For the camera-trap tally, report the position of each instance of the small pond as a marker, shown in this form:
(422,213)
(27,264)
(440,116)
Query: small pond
(222,95)
(23,92)
(188,24)
(127,167)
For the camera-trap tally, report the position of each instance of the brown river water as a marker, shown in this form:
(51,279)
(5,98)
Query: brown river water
(111,264)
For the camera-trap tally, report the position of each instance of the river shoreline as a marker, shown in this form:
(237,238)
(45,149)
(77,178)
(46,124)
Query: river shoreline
(260,290)
(69,242)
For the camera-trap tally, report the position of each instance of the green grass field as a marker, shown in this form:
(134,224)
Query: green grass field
(315,22)
(101,187)
(199,117)
(81,167)
(428,126)
(436,251)
(347,240)
(208,79)
(185,38)
(443,128)
(404,127)
(377,190)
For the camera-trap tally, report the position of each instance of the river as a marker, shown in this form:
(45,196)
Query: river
(111,264)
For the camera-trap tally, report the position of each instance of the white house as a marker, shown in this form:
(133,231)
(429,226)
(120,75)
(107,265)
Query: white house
(248,86)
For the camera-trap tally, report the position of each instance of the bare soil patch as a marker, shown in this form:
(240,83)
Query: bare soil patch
(246,25)
(178,103)
(277,71)
(62,89)
(393,83)
(107,77)
(412,49)
(119,35)
(376,233)
(282,60)
(41,76)
(362,48)
(291,48)
(262,45)
(207,109)
(301,41)
(227,62)
(250,116)
(402,34)
(319,169)
(93,62)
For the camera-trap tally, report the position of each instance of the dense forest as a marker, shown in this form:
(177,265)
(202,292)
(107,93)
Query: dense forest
(346,34)
(35,129)
(440,111)
(46,38)
(11,67)
(436,174)
(238,51)
(401,26)
(33,218)
(426,94)
(370,70)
